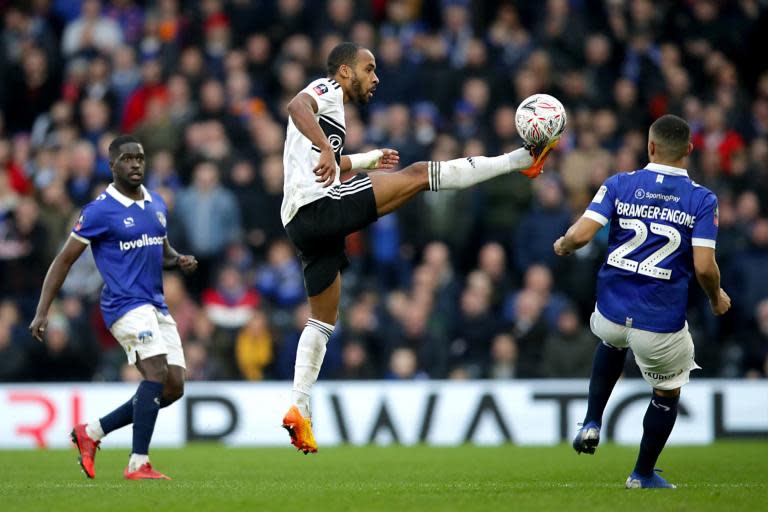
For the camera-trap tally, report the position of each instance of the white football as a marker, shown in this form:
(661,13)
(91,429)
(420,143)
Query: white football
(540,118)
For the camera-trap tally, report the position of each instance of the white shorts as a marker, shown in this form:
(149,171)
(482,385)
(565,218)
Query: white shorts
(665,359)
(147,332)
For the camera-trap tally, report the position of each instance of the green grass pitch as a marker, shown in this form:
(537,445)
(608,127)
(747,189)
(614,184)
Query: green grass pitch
(727,476)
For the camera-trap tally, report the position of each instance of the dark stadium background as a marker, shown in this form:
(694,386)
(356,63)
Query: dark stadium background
(456,285)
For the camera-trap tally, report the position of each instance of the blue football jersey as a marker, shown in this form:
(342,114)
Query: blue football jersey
(656,216)
(126,238)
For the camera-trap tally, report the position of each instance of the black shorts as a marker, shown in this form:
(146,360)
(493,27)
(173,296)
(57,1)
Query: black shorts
(319,228)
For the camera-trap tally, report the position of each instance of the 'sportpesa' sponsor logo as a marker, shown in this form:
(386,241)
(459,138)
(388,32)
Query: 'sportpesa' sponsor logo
(144,241)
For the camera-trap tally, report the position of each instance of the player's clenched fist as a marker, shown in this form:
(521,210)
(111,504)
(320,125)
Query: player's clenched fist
(723,303)
(187,263)
(560,250)
(37,327)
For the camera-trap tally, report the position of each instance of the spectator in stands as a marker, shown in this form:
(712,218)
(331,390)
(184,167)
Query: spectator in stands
(254,347)
(568,349)
(31,89)
(280,280)
(530,331)
(13,363)
(209,214)
(231,303)
(476,328)
(717,136)
(539,227)
(58,360)
(504,354)
(355,362)
(91,32)
(404,365)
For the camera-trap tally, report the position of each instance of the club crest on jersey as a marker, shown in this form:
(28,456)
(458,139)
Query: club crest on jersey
(128,222)
(79,223)
(335,142)
(161,218)
(600,195)
(320,89)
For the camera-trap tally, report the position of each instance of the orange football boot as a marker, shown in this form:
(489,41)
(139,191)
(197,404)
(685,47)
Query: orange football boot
(300,430)
(538,160)
(87,448)
(145,472)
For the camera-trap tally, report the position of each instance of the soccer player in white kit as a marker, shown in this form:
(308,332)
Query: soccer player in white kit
(320,206)
(126,230)
(663,229)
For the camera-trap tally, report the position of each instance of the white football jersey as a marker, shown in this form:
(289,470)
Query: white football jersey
(300,156)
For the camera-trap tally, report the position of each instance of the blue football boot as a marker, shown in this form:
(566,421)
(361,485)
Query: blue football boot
(587,438)
(655,481)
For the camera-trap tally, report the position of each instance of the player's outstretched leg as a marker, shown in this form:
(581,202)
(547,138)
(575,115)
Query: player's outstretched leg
(657,426)
(392,190)
(606,370)
(309,359)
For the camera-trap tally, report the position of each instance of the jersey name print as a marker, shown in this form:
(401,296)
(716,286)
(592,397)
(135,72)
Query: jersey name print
(300,156)
(656,215)
(127,239)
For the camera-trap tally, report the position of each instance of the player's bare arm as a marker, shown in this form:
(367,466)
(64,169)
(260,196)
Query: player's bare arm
(57,272)
(172,259)
(708,275)
(578,235)
(302,109)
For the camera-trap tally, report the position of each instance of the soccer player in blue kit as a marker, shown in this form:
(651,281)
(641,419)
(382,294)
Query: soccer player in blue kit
(663,228)
(126,229)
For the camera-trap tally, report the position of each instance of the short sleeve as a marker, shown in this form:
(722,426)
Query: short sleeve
(89,226)
(324,92)
(602,206)
(705,229)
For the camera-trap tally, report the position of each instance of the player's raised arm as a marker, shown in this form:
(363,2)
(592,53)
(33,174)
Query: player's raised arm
(57,272)
(302,109)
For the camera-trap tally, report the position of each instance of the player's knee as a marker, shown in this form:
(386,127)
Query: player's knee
(668,393)
(418,169)
(155,369)
(173,392)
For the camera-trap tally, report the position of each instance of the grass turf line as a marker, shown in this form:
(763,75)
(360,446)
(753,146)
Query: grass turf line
(725,476)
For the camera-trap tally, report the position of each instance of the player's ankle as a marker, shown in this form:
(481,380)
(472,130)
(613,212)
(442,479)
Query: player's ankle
(136,461)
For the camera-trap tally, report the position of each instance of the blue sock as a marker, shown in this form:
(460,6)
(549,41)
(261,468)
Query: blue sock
(606,370)
(123,415)
(118,418)
(657,425)
(145,410)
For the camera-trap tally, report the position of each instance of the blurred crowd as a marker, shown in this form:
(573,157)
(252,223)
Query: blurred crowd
(460,284)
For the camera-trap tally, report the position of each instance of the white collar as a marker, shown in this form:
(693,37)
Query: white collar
(127,201)
(667,169)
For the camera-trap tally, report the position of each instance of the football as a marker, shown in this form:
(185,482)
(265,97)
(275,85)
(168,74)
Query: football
(540,118)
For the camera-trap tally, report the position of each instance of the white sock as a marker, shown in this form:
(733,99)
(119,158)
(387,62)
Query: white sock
(94,430)
(465,172)
(136,461)
(309,359)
